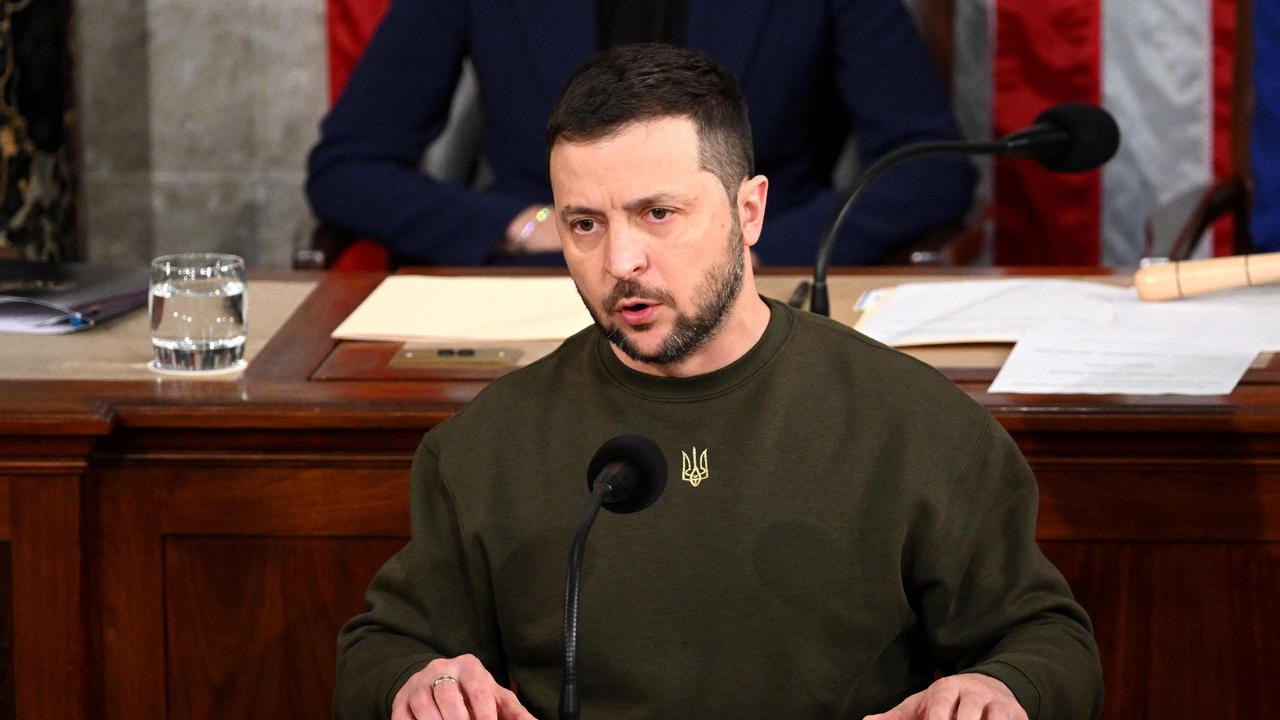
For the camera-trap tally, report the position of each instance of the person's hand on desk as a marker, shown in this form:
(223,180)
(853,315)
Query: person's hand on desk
(968,696)
(456,689)
(532,231)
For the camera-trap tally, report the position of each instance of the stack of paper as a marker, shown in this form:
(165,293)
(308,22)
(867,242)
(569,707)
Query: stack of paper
(970,311)
(427,307)
(1082,337)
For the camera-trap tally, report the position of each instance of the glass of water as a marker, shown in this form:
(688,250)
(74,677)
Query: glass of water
(197,308)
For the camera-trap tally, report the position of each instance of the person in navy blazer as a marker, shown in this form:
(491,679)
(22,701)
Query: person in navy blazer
(811,70)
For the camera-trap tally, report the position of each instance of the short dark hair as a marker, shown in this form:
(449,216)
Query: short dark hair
(650,81)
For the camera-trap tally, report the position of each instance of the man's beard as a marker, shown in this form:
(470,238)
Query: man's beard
(719,290)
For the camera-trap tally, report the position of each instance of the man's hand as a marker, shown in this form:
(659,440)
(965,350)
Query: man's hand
(456,689)
(969,696)
(532,231)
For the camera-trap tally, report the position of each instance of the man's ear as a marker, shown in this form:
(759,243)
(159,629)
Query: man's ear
(753,193)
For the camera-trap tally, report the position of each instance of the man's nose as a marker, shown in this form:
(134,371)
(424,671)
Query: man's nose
(628,255)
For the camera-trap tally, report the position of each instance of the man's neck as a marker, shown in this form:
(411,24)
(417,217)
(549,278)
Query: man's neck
(742,328)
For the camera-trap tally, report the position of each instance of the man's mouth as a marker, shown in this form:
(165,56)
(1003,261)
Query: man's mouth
(637,311)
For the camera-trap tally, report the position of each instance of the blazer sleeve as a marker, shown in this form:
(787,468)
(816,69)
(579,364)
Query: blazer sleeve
(364,175)
(1264,152)
(991,603)
(431,600)
(894,95)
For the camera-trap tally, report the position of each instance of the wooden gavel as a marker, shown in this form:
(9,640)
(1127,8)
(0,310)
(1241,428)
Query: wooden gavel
(1175,280)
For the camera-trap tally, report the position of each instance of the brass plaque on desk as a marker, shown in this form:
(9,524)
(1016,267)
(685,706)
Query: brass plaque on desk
(424,356)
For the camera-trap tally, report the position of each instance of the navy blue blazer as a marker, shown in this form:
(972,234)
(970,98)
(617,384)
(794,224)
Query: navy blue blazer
(1265,148)
(811,70)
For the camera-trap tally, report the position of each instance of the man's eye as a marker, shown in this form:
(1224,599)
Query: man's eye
(660,213)
(585,225)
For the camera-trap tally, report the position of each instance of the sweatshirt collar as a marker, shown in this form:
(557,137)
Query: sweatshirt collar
(699,387)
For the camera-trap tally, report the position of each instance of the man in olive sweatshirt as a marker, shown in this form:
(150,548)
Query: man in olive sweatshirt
(842,523)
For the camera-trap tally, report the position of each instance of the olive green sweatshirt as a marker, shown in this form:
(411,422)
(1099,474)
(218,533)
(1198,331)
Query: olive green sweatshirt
(840,522)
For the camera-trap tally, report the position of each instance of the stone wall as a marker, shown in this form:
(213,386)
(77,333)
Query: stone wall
(195,122)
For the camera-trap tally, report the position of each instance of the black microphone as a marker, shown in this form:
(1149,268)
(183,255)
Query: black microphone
(1067,138)
(626,475)
(1064,138)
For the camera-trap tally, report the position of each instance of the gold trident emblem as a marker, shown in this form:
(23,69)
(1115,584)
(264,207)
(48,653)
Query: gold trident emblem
(693,469)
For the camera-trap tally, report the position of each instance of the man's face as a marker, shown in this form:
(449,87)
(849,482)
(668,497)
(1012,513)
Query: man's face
(651,239)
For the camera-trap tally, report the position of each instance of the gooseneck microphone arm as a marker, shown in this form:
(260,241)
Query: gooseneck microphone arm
(1064,138)
(818,301)
(626,475)
(569,685)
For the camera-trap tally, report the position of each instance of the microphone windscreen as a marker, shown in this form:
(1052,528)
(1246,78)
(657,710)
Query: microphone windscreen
(1092,137)
(641,455)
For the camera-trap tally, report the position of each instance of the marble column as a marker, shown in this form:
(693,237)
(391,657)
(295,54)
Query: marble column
(195,124)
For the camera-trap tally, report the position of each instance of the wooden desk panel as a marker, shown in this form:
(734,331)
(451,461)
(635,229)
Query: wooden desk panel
(232,657)
(1186,629)
(46,589)
(216,530)
(171,525)
(7,711)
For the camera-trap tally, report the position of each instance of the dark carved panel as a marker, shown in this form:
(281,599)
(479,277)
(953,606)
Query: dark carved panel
(1182,628)
(251,623)
(6,634)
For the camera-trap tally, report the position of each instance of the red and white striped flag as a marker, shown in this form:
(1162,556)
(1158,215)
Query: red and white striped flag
(349,25)
(1164,68)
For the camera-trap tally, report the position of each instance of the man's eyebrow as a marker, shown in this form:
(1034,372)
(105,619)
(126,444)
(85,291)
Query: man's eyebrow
(661,198)
(568,210)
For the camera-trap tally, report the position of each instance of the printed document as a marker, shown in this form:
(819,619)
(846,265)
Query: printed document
(1125,360)
(1083,337)
(975,311)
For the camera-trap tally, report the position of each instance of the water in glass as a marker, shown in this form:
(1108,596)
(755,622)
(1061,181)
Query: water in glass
(198,323)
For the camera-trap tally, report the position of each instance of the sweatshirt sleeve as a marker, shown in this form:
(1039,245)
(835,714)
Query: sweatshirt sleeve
(993,604)
(365,173)
(431,600)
